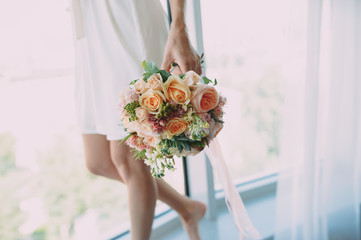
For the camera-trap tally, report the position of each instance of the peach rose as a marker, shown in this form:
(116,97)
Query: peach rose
(152,140)
(140,86)
(175,89)
(191,78)
(141,113)
(204,98)
(151,100)
(155,82)
(175,127)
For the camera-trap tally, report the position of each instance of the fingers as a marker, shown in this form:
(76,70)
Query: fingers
(166,64)
(188,64)
(198,68)
(176,70)
(185,64)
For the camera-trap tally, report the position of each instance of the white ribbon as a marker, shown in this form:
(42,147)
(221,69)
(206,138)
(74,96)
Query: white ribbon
(233,200)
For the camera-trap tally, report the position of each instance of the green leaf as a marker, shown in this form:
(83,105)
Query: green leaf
(215,82)
(180,147)
(126,138)
(206,80)
(202,58)
(181,75)
(186,146)
(133,82)
(150,67)
(146,76)
(139,155)
(206,140)
(165,75)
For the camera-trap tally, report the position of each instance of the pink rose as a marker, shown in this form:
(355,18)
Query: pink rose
(152,140)
(204,98)
(130,95)
(132,141)
(213,132)
(145,129)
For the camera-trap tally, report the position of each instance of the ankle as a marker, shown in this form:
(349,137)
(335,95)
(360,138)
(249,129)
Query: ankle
(192,206)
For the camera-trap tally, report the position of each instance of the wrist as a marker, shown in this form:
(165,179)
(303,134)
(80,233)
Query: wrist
(178,25)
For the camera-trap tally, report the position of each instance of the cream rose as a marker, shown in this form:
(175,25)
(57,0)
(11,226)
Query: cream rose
(122,101)
(145,129)
(175,127)
(191,78)
(141,113)
(152,140)
(204,98)
(155,82)
(175,89)
(132,126)
(140,86)
(151,100)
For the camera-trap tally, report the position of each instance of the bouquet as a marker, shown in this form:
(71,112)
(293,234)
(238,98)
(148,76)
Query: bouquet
(169,115)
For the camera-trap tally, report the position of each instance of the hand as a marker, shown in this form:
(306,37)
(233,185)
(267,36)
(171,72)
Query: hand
(178,49)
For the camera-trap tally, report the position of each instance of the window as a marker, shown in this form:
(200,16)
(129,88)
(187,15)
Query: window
(245,54)
(49,192)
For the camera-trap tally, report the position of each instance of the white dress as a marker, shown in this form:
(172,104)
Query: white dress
(112,38)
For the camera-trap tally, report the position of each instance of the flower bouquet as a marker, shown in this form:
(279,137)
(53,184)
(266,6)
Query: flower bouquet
(170,115)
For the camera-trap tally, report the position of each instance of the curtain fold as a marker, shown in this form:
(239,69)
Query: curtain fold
(318,193)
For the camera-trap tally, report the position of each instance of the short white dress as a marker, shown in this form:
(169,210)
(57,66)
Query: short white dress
(112,38)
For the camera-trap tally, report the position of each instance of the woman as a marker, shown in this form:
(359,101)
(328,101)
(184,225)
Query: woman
(112,39)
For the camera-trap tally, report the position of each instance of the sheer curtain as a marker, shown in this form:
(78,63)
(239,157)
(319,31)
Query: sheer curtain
(319,186)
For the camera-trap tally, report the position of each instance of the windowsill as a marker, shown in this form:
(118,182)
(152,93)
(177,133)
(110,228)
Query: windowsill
(258,196)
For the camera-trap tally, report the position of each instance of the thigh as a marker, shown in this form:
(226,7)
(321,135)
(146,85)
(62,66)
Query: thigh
(98,157)
(123,159)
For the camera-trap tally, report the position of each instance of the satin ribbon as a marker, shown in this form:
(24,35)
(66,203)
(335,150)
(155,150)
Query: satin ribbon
(232,198)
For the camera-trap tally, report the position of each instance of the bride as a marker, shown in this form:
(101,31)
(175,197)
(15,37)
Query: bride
(112,37)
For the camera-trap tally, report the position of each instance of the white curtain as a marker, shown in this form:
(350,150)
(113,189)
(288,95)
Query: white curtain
(319,186)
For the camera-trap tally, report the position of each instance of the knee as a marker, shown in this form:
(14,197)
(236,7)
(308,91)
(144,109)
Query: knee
(129,168)
(94,167)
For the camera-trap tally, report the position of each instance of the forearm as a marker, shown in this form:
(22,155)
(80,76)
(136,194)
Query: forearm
(177,13)
(178,48)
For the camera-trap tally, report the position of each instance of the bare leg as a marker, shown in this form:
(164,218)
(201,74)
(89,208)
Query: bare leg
(142,190)
(190,211)
(99,162)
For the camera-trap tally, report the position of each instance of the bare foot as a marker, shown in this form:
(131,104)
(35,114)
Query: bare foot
(191,219)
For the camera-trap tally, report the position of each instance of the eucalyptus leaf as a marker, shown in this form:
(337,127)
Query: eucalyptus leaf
(215,82)
(150,67)
(165,75)
(206,80)
(146,76)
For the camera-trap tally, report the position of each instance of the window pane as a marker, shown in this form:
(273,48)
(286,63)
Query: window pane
(244,49)
(47,191)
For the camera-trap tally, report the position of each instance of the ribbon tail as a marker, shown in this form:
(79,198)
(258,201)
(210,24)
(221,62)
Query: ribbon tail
(233,200)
